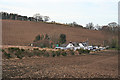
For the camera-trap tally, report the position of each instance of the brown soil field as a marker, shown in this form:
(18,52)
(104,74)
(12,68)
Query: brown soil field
(16,32)
(103,64)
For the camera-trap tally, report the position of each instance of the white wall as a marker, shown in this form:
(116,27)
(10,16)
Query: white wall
(69,45)
(81,45)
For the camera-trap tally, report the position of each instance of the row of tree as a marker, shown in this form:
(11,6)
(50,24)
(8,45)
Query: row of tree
(47,41)
(113,26)
(74,24)
(37,17)
(61,40)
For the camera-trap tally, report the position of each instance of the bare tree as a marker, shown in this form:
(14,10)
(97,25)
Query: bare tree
(38,17)
(46,18)
(113,24)
(98,27)
(54,37)
(90,25)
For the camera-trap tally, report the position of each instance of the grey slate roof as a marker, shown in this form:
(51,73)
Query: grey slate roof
(63,45)
(75,44)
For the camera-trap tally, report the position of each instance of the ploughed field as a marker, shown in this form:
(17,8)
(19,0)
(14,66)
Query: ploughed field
(16,32)
(103,64)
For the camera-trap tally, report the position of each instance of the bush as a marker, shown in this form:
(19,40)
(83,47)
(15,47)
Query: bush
(12,49)
(58,53)
(114,44)
(83,51)
(30,54)
(62,38)
(64,54)
(2,50)
(37,38)
(80,51)
(72,52)
(46,55)
(38,53)
(23,50)
(46,36)
(7,55)
(36,49)
(43,51)
(53,54)
(19,54)
(34,52)
(86,51)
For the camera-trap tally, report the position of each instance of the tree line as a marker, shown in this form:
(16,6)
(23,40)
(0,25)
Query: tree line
(111,27)
(37,17)
(44,40)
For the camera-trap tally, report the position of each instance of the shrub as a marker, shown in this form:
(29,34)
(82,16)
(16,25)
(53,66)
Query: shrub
(19,54)
(42,37)
(80,51)
(83,51)
(72,52)
(46,55)
(58,53)
(12,49)
(62,38)
(37,38)
(2,50)
(46,36)
(43,51)
(23,50)
(53,54)
(86,51)
(37,52)
(64,54)
(114,44)
(7,55)
(30,54)
(36,49)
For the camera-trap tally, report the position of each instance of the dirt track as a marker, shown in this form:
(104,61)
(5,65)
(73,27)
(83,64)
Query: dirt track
(99,65)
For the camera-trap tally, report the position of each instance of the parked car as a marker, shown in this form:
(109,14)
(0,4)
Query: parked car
(107,47)
(94,50)
(102,48)
(90,47)
(60,48)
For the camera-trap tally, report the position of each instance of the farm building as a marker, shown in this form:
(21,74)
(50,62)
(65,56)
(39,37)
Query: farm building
(73,45)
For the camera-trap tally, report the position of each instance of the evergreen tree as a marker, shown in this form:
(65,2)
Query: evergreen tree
(37,38)
(62,38)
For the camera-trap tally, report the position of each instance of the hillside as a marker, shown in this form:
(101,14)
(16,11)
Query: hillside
(16,32)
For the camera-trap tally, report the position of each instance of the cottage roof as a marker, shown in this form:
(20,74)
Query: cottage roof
(75,44)
(64,45)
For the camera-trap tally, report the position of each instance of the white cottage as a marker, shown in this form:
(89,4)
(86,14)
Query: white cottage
(74,46)
(70,45)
